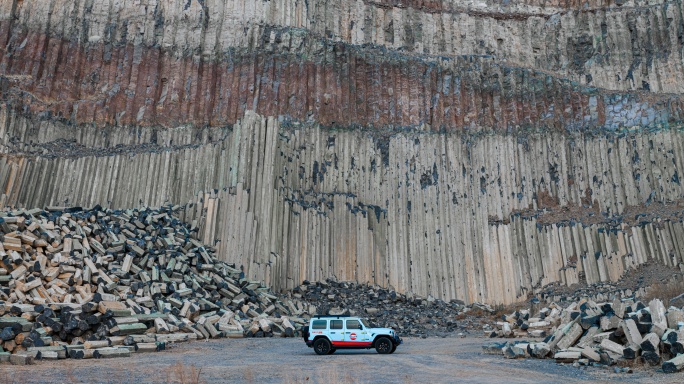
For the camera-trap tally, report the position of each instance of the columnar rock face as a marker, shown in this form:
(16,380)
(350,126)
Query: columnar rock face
(470,150)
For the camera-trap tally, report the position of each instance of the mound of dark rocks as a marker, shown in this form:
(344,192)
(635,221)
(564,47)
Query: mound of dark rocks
(409,314)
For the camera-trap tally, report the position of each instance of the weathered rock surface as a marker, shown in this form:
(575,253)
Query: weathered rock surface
(635,283)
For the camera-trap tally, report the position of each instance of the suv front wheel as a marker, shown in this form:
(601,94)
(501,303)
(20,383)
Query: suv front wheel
(383,345)
(322,346)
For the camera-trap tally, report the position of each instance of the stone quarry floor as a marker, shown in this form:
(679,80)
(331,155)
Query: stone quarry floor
(432,360)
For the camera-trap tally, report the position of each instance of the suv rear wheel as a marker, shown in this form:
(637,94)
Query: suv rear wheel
(322,346)
(332,350)
(383,345)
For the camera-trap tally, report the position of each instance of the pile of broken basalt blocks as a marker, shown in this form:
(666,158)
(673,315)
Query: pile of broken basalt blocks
(598,333)
(90,283)
(408,314)
(522,324)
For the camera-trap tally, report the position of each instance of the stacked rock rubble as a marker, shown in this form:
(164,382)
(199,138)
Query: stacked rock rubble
(104,283)
(409,314)
(598,333)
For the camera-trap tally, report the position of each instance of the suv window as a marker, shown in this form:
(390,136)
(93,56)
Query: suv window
(353,324)
(335,324)
(319,324)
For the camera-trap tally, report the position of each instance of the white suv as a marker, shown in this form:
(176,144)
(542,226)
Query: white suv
(326,334)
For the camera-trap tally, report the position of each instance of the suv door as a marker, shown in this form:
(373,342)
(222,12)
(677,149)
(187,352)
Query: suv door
(336,332)
(355,335)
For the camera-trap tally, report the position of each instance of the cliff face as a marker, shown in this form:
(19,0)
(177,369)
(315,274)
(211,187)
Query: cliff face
(471,150)
(446,64)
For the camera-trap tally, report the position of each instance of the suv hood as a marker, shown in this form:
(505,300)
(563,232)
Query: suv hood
(381,330)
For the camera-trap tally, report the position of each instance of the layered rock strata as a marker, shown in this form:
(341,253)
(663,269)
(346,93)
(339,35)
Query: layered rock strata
(459,149)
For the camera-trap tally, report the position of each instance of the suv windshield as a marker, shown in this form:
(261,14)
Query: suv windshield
(364,322)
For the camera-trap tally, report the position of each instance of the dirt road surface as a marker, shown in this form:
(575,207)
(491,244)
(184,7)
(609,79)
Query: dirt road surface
(432,360)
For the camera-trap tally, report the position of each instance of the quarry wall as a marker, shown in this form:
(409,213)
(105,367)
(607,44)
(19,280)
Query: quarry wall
(467,150)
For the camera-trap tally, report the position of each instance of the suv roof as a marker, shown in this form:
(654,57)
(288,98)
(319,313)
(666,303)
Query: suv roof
(331,316)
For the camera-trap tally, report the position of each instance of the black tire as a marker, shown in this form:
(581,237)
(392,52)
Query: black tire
(383,345)
(394,348)
(322,346)
(332,350)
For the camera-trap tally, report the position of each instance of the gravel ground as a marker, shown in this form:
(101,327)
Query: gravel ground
(432,360)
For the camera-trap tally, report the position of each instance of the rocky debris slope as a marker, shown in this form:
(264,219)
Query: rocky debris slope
(410,315)
(634,283)
(105,283)
(605,333)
